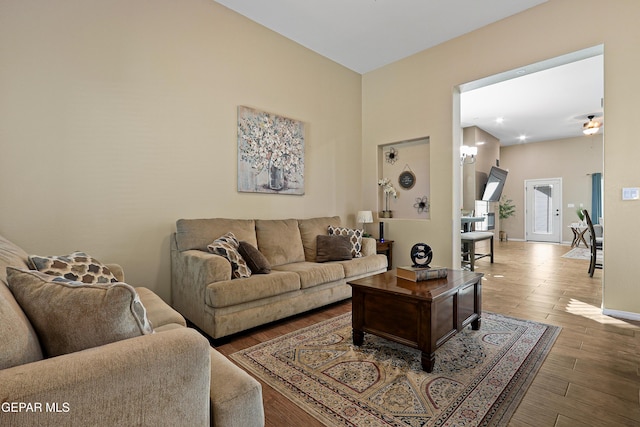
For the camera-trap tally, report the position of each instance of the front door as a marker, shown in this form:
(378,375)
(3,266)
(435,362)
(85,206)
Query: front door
(543,210)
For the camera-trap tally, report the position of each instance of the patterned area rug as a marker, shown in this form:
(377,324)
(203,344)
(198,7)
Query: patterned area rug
(479,377)
(582,253)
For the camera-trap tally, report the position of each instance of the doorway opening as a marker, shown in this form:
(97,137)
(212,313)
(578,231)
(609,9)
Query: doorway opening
(523,225)
(543,213)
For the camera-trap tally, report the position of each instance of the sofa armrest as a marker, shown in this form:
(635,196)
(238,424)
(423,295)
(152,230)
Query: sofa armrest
(236,397)
(117,271)
(157,379)
(368,246)
(191,272)
(205,268)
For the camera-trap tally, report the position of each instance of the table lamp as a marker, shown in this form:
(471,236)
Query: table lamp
(364,217)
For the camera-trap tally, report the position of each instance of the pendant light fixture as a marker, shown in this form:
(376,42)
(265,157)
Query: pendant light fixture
(591,127)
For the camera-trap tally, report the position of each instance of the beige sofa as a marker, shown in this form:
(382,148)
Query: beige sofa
(204,292)
(169,377)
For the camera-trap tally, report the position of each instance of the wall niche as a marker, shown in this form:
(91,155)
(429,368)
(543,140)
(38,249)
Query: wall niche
(406,165)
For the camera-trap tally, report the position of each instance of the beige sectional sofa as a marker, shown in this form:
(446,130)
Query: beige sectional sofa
(204,292)
(168,376)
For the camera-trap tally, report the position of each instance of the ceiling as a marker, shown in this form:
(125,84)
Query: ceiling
(540,102)
(363,35)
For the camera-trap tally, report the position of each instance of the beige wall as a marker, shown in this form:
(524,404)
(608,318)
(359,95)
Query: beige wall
(488,154)
(572,159)
(119,117)
(414,97)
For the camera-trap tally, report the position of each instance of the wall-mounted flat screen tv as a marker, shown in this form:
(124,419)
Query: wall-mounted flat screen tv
(495,184)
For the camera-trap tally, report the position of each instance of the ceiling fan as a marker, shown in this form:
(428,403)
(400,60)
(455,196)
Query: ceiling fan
(591,127)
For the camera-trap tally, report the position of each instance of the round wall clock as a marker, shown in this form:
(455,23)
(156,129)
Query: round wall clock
(407,180)
(421,255)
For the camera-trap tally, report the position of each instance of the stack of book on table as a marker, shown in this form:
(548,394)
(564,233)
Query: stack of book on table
(418,274)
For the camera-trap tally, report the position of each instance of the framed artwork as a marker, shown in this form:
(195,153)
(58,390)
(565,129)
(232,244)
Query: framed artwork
(270,153)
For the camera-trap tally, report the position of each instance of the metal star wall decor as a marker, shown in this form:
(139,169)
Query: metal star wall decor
(421,204)
(391,156)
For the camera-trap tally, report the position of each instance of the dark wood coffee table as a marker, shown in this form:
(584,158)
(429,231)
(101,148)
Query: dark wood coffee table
(423,315)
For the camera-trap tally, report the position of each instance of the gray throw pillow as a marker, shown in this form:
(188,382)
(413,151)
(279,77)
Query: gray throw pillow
(258,263)
(354,236)
(333,248)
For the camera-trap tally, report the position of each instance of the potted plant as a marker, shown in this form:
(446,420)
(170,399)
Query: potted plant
(581,216)
(506,209)
(388,191)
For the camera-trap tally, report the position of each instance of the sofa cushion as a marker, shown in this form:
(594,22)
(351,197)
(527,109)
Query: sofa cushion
(257,262)
(279,241)
(260,286)
(198,233)
(333,248)
(363,265)
(227,246)
(19,341)
(72,316)
(354,235)
(314,274)
(77,266)
(310,229)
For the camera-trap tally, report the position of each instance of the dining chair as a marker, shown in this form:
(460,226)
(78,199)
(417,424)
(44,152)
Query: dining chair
(595,245)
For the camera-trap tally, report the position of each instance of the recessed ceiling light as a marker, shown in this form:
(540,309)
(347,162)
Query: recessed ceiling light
(522,137)
(500,120)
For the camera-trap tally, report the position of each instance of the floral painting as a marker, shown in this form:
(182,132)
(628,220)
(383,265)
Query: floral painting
(270,153)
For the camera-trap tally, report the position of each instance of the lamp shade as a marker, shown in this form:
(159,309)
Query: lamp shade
(365,217)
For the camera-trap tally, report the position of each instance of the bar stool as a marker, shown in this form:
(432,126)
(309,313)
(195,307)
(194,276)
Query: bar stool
(469,239)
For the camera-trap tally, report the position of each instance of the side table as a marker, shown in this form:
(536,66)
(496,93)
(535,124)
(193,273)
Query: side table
(385,247)
(578,235)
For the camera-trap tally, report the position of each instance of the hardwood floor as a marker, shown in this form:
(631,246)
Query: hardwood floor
(591,376)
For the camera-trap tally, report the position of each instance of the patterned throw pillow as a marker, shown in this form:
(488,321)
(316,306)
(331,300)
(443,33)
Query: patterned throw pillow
(355,238)
(77,266)
(70,316)
(227,246)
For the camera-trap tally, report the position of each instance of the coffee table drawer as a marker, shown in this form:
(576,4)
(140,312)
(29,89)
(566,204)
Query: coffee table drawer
(468,304)
(443,323)
(396,319)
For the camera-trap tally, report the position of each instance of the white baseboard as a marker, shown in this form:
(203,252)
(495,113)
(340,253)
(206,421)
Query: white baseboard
(523,240)
(621,314)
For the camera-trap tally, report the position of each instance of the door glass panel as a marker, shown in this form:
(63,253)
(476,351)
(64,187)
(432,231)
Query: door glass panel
(542,209)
